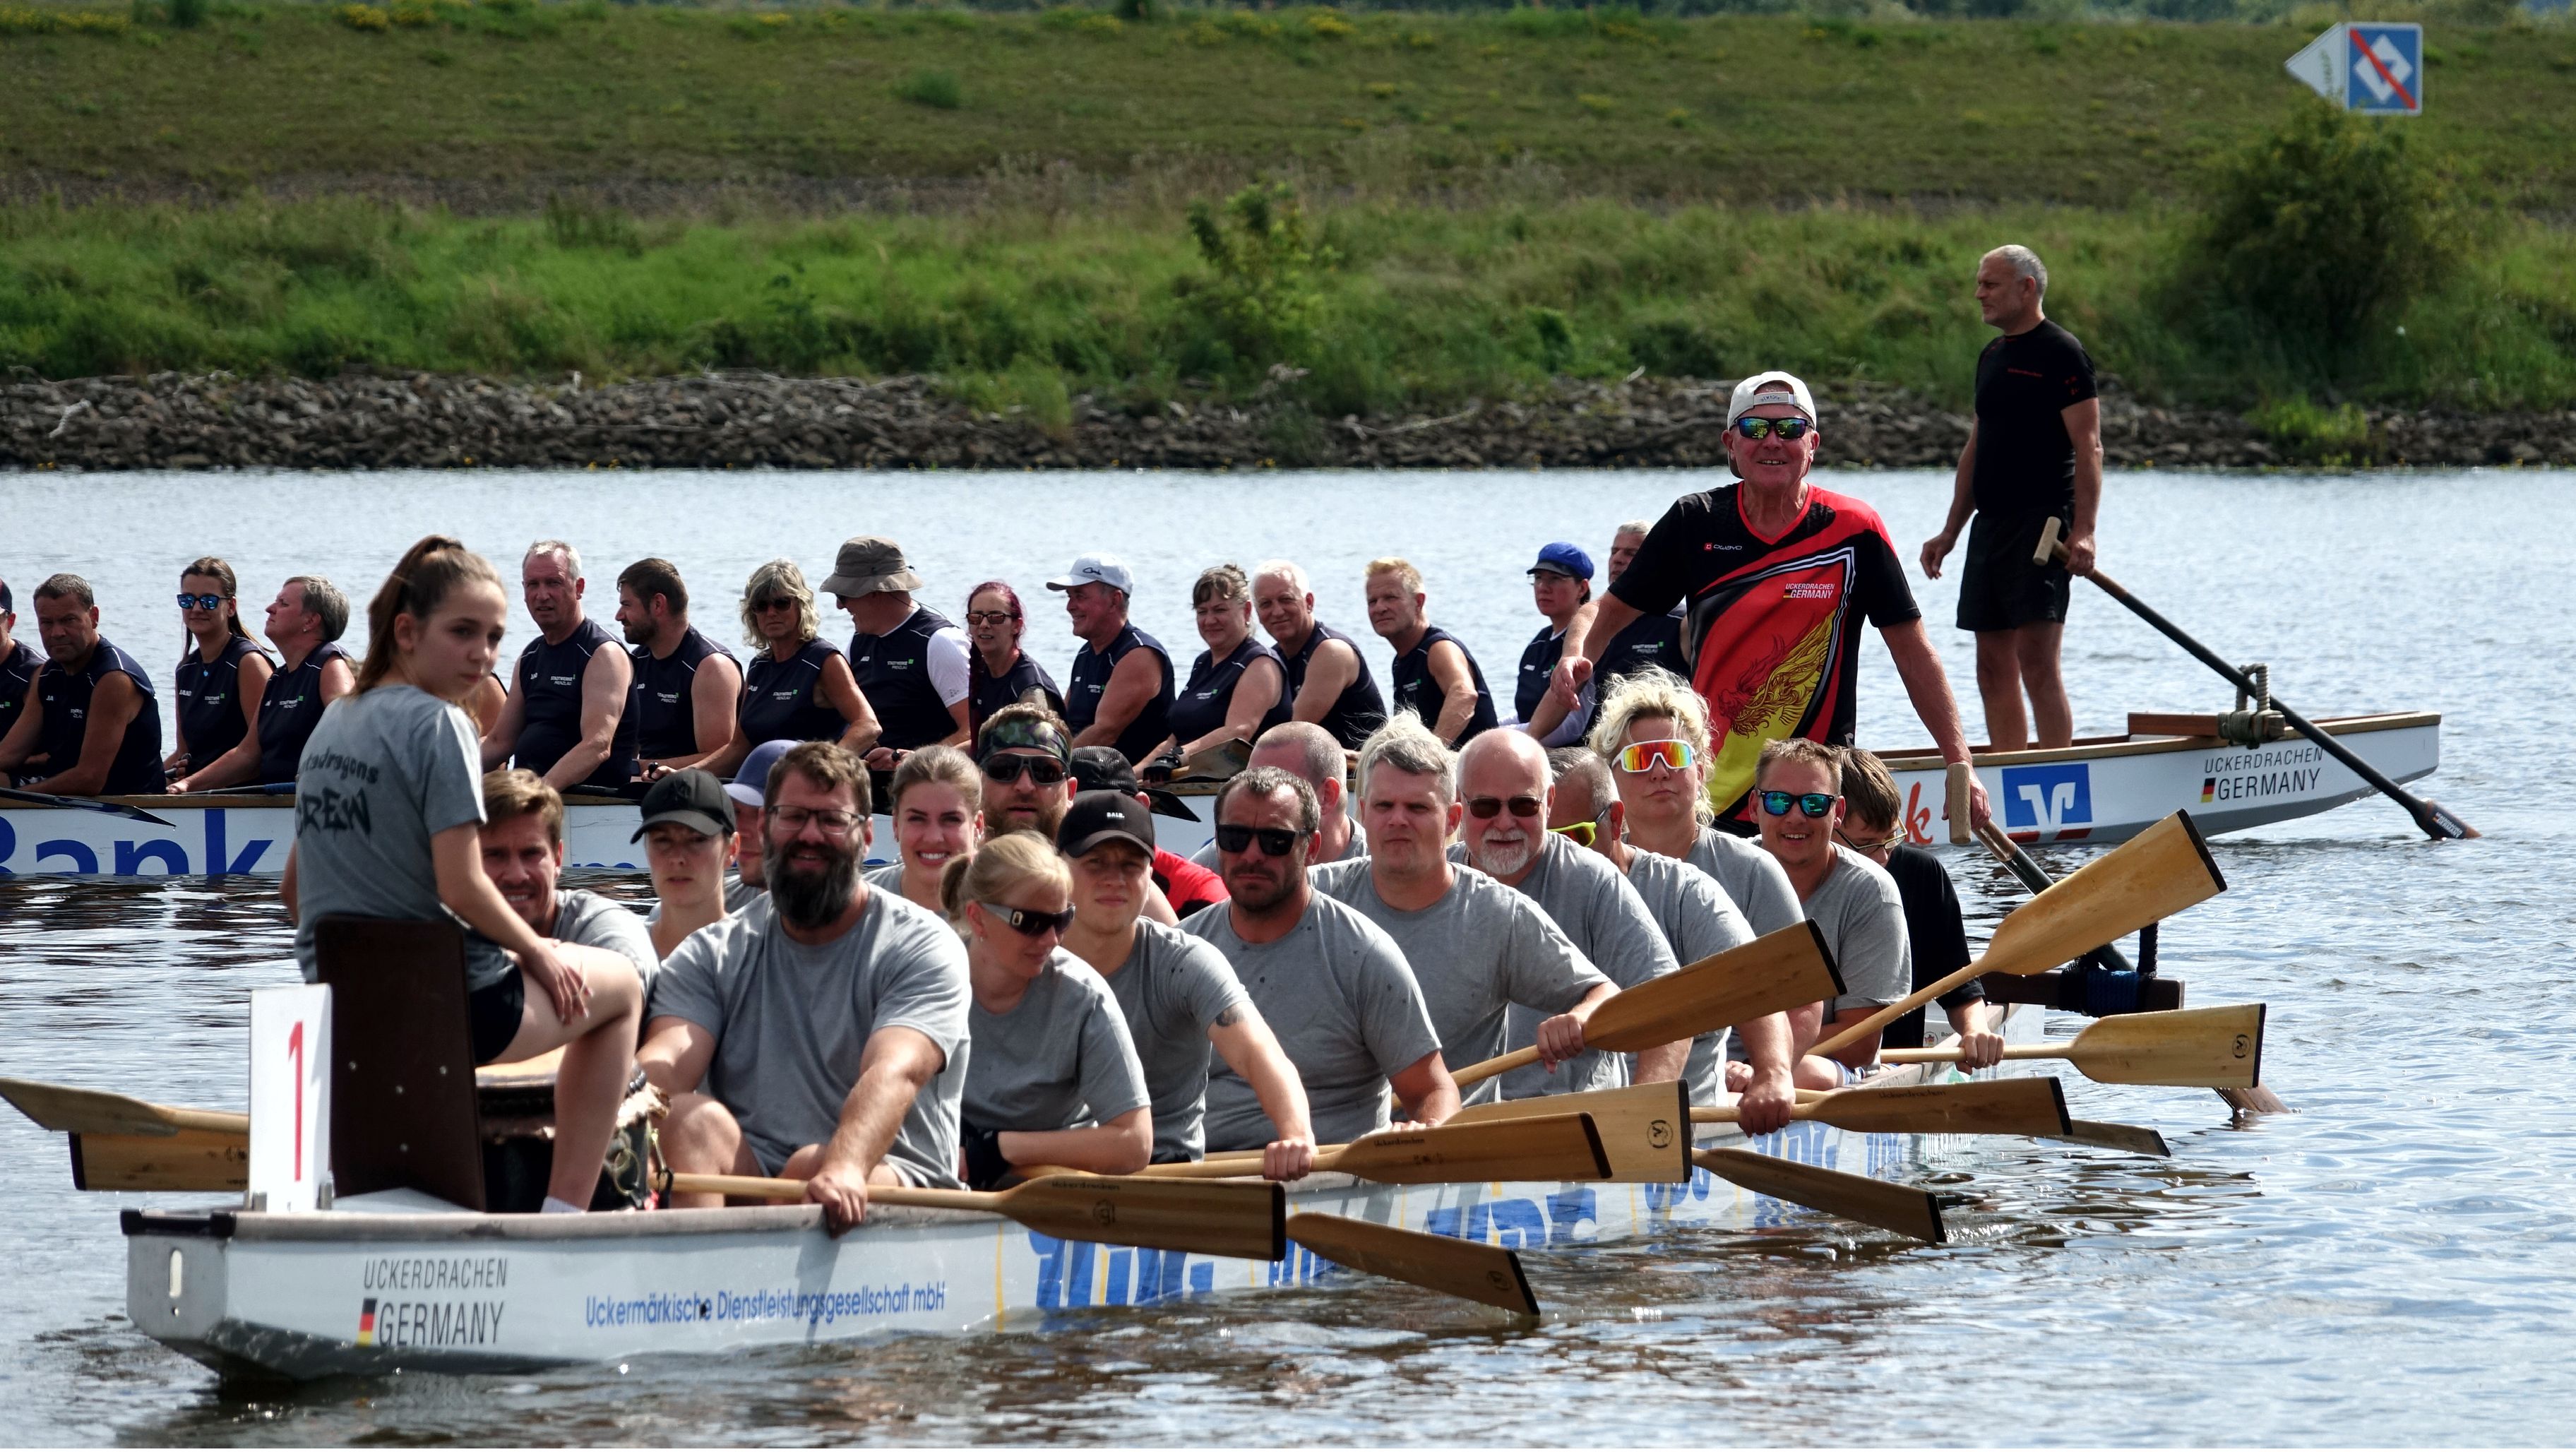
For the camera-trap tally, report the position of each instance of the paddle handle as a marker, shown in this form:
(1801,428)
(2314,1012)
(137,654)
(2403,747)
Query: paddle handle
(1894,1011)
(1726,1113)
(1951,1054)
(1962,785)
(759,1187)
(1479,1073)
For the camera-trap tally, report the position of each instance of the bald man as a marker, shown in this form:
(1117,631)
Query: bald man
(1309,753)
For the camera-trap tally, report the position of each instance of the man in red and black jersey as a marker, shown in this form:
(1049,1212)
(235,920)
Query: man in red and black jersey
(1776,577)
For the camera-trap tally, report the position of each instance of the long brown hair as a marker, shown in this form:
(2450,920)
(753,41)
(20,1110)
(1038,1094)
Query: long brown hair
(428,573)
(215,569)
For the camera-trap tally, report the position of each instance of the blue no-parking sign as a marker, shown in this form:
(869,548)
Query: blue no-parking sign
(2371,66)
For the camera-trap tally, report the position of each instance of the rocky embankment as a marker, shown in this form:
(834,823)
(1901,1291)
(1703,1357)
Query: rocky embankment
(713,421)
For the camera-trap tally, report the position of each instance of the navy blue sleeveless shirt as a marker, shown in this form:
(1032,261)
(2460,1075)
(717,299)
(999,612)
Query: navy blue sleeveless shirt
(549,691)
(289,710)
(987,693)
(17,674)
(893,670)
(1538,663)
(1203,704)
(210,713)
(1091,671)
(1415,691)
(783,700)
(1359,709)
(659,704)
(63,696)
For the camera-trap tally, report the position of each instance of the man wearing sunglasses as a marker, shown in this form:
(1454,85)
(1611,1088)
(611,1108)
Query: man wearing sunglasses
(1798,787)
(1477,948)
(1333,987)
(821,1032)
(1695,917)
(1505,786)
(1778,577)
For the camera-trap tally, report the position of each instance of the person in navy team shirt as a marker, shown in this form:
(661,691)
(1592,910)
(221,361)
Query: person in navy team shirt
(686,686)
(566,719)
(95,729)
(910,661)
(18,664)
(1120,691)
(222,676)
(305,623)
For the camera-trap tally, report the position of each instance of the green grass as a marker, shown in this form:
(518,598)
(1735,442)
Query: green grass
(439,94)
(1404,304)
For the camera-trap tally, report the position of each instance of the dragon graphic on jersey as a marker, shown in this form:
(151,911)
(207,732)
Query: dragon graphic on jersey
(1767,660)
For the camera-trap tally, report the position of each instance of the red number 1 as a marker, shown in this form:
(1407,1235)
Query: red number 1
(295,1051)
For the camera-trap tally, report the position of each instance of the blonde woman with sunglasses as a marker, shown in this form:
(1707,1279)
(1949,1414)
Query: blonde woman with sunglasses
(795,687)
(1653,729)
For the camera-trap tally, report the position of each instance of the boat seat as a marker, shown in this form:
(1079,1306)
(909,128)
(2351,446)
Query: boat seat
(404,1112)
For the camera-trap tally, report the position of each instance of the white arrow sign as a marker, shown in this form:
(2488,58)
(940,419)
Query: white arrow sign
(2321,66)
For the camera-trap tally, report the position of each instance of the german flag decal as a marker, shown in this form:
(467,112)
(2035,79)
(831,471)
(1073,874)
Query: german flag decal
(367,1323)
(2208,788)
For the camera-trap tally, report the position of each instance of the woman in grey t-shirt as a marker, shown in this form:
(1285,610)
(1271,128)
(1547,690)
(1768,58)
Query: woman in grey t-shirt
(388,799)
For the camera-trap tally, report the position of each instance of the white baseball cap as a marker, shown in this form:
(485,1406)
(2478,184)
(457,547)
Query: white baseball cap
(1096,570)
(1773,387)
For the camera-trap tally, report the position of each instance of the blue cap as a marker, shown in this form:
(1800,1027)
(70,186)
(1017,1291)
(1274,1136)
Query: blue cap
(750,785)
(1561,558)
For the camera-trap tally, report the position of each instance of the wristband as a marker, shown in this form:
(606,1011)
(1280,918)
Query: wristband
(985,1166)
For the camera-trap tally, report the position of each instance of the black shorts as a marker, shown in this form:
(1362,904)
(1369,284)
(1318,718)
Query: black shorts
(1999,587)
(494,1014)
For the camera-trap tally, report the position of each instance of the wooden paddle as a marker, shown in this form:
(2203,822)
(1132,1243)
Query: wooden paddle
(2436,821)
(2201,1048)
(2134,1139)
(1774,972)
(1889,1206)
(113,809)
(1645,1128)
(123,1143)
(67,1110)
(1478,1272)
(2035,1106)
(1559,1146)
(2146,879)
(1246,1220)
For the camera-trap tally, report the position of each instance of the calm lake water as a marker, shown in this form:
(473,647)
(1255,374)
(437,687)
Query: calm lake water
(2391,1264)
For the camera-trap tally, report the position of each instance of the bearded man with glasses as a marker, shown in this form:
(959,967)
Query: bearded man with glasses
(1504,784)
(1777,577)
(821,1032)
(1798,790)
(1334,988)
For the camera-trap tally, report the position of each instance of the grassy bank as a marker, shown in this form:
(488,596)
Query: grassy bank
(497,102)
(1389,303)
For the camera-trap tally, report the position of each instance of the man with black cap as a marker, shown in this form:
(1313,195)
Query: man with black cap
(1561,588)
(1184,884)
(1179,995)
(744,884)
(688,831)
(523,852)
(910,661)
(1120,691)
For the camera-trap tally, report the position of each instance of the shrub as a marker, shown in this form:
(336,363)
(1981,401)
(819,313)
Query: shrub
(1263,302)
(938,90)
(1328,25)
(362,17)
(2335,438)
(187,14)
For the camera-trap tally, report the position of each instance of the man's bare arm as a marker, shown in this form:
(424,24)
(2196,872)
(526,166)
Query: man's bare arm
(1928,686)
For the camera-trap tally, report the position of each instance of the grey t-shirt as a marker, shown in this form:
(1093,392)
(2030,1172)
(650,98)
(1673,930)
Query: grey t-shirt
(1863,918)
(1752,878)
(888,876)
(1607,922)
(1346,1011)
(589,919)
(383,772)
(1477,952)
(1355,848)
(1060,1059)
(792,1021)
(1173,988)
(1697,920)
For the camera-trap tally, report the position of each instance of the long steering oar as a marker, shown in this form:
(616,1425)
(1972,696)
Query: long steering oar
(1775,972)
(2200,1048)
(2027,1106)
(1560,1146)
(1883,1203)
(1466,1268)
(2436,821)
(113,809)
(1247,1219)
(123,1143)
(2146,879)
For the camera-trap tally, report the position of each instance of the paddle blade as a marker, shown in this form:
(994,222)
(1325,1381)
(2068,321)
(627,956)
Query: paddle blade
(1486,1273)
(187,1159)
(1900,1208)
(1991,1106)
(2146,879)
(1247,1219)
(1560,1146)
(2135,1139)
(1645,1128)
(67,1110)
(1774,972)
(2205,1048)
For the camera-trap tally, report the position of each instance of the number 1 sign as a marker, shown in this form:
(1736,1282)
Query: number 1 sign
(290,1097)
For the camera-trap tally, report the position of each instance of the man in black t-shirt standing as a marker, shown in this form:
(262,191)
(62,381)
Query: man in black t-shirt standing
(2034,454)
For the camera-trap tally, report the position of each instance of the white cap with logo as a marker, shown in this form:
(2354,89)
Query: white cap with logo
(1096,570)
(1761,388)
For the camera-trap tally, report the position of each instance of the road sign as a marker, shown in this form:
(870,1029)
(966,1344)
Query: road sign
(2370,66)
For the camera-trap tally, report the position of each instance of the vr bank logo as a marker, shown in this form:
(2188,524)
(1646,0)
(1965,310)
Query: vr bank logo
(2052,800)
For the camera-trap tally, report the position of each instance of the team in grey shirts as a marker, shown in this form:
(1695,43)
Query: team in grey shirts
(1173,988)
(1058,1058)
(1863,919)
(1605,919)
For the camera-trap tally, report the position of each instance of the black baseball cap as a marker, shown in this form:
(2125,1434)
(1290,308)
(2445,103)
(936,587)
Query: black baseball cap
(1104,816)
(692,798)
(1106,769)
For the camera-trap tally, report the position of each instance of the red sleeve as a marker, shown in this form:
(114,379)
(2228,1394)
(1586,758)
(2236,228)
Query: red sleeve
(1880,591)
(1187,885)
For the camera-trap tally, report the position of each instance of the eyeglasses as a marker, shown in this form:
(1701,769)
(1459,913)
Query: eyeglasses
(774,602)
(1485,809)
(202,602)
(990,617)
(1583,833)
(1868,846)
(1030,921)
(1006,768)
(833,821)
(1644,755)
(1761,428)
(1275,841)
(1814,804)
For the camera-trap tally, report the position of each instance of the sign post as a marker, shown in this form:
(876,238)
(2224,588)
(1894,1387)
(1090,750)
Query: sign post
(2374,67)
(290,1098)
